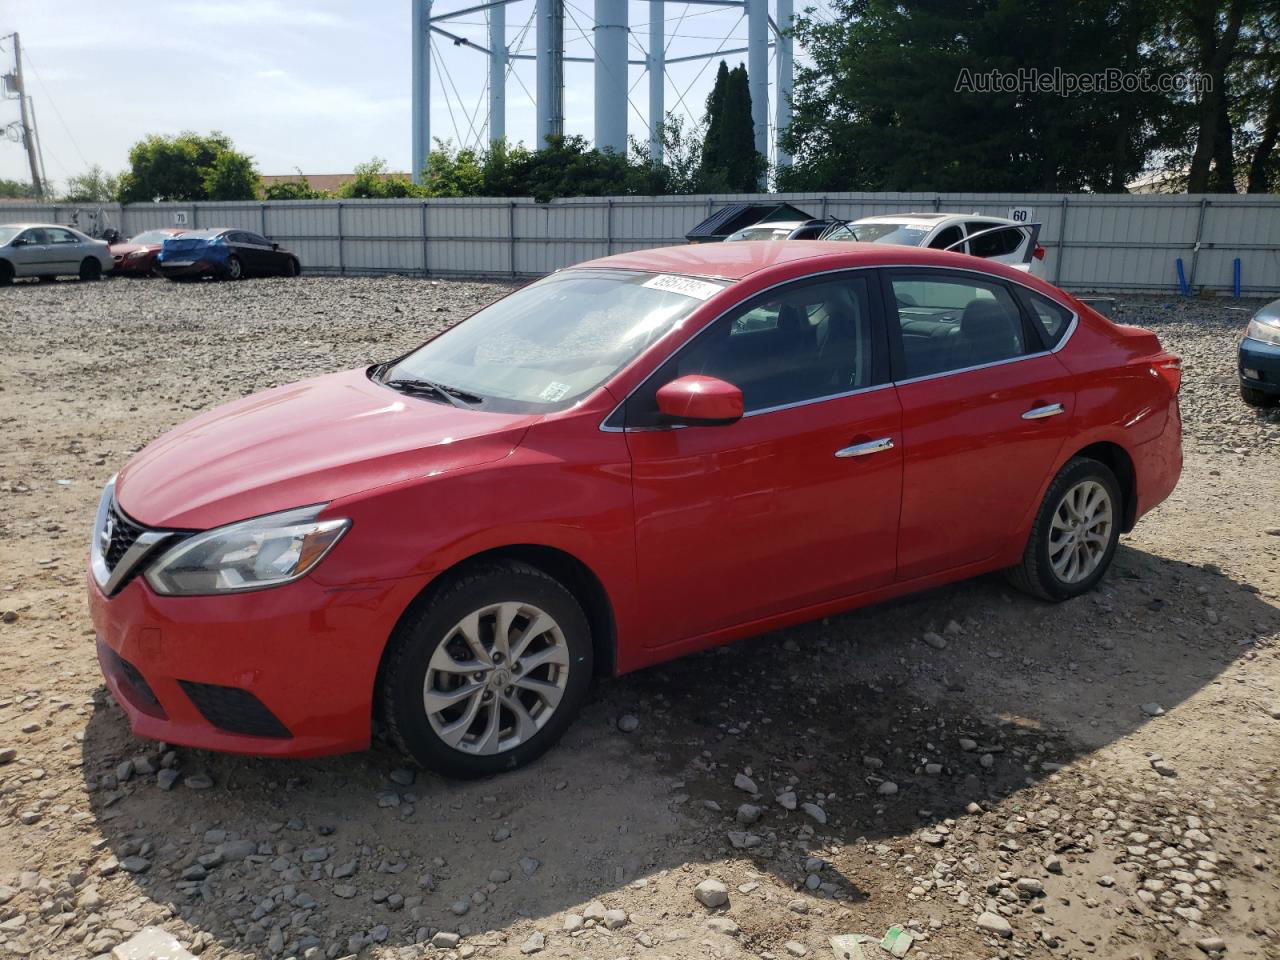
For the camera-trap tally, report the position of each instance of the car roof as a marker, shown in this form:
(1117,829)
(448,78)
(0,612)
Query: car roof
(735,261)
(932,219)
(27,226)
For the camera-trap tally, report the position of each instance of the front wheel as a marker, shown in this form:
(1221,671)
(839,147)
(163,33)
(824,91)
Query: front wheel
(235,269)
(90,269)
(6,273)
(1258,398)
(1074,535)
(490,674)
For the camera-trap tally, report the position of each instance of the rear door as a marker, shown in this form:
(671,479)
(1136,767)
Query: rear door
(986,408)
(797,502)
(65,250)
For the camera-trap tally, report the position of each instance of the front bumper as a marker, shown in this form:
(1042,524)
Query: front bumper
(1263,359)
(287,671)
(139,266)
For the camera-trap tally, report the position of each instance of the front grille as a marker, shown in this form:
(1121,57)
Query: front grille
(234,710)
(138,690)
(123,534)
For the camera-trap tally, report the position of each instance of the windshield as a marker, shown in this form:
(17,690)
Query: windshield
(152,236)
(8,233)
(551,343)
(903,234)
(770,232)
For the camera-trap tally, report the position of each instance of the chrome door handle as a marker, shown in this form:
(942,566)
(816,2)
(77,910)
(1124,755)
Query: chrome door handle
(1039,413)
(862,449)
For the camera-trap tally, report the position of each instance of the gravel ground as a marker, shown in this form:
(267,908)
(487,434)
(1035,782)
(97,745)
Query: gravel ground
(1000,777)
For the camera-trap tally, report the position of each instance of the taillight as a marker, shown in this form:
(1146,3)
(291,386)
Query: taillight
(1038,252)
(1171,369)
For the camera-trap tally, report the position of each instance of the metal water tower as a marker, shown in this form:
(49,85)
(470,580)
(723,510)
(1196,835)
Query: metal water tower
(611,63)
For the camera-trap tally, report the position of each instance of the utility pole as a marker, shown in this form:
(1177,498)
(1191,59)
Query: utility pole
(28,120)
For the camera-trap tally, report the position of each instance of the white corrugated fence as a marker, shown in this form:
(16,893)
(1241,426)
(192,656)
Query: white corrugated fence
(1094,241)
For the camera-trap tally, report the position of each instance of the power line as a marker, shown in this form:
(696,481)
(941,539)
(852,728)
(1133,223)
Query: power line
(58,113)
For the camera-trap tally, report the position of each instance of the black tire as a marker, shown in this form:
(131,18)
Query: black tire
(6,273)
(235,268)
(1258,398)
(292,268)
(426,629)
(90,269)
(1036,575)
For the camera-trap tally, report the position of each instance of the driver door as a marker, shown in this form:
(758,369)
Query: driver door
(30,254)
(796,503)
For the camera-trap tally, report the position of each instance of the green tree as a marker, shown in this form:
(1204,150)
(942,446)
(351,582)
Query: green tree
(372,182)
(15,190)
(892,98)
(185,167)
(299,188)
(729,160)
(231,177)
(95,185)
(454,173)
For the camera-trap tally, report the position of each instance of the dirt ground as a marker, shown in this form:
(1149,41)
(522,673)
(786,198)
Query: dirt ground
(1093,779)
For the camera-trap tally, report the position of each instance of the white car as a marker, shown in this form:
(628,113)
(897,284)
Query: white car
(992,238)
(49,250)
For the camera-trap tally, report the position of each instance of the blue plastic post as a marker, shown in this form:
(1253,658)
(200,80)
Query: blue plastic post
(1235,279)
(1182,279)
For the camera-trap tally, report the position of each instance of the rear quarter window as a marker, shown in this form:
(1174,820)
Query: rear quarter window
(1052,319)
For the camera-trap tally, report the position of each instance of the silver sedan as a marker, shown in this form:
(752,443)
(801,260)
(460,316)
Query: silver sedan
(49,250)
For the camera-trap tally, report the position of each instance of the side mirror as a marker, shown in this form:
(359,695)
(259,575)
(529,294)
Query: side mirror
(20,242)
(275,246)
(698,401)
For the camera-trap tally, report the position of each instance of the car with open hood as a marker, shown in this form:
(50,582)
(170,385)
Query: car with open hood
(136,257)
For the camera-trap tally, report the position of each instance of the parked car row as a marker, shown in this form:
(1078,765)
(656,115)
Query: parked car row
(47,251)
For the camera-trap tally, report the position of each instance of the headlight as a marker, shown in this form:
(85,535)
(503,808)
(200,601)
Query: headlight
(263,552)
(1268,331)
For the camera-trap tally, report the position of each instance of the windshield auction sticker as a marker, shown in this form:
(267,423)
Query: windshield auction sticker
(685,286)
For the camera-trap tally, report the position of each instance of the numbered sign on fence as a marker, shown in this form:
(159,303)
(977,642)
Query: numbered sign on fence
(179,218)
(1021,214)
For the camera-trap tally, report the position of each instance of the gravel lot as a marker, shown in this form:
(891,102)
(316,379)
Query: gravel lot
(1000,777)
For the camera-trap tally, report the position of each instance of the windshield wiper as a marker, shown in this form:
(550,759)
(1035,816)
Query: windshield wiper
(459,398)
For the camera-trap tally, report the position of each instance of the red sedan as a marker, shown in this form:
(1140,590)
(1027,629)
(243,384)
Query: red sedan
(625,462)
(136,257)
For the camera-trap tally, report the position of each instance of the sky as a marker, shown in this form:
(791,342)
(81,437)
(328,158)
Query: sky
(310,85)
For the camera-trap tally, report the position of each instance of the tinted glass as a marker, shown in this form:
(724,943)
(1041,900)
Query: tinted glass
(950,323)
(946,238)
(151,236)
(799,343)
(1052,318)
(903,234)
(61,236)
(998,243)
(554,341)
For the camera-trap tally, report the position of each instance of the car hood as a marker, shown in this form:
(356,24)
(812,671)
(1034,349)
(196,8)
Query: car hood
(123,249)
(303,443)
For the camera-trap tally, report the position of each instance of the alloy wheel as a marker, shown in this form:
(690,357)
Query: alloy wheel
(496,678)
(1080,531)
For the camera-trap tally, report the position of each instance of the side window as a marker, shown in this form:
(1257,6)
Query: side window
(254,238)
(955,322)
(1052,318)
(998,243)
(946,238)
(61,236)
(36,236)
(804,342)
(235,236)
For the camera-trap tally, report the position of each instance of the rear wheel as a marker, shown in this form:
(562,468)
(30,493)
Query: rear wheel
(235,269)
(1075,533)
(292,268)
(490,674)
(1258,398)
(90,269)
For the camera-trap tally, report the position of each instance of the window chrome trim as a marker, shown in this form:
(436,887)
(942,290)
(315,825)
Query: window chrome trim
(1071,329)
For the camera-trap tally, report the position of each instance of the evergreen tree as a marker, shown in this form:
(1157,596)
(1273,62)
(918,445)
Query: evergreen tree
(729,158)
